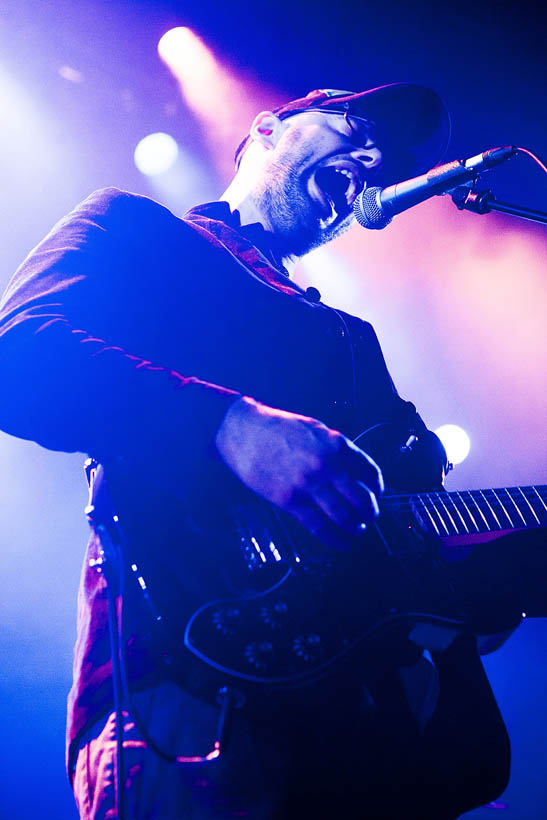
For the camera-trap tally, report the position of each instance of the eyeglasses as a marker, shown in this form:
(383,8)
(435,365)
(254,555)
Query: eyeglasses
(362,136)
(363,131)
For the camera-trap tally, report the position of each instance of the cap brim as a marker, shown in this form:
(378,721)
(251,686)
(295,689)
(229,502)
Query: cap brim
(412,127)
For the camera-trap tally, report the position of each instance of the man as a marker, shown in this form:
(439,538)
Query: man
(180,355)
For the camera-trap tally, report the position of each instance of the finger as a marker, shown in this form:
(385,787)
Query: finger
(362,467)
(339,510)
(312,517)
(360,497)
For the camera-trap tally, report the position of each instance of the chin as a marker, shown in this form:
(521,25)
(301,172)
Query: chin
(303,239)
(333,231)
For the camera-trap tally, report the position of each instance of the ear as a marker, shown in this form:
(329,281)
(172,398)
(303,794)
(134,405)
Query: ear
(266,129)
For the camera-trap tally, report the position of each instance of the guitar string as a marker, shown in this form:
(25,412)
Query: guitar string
(481,499)
(531,490)
(459,504)
(489,495)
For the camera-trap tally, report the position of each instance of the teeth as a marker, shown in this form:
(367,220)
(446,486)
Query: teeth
(351,190)
(353,186)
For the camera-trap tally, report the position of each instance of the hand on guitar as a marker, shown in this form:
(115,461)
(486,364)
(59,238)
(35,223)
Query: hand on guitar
(308,470)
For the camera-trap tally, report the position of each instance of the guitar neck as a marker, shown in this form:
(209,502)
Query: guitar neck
(470,512)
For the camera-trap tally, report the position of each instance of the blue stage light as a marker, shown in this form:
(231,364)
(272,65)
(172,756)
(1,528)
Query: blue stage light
(156,154)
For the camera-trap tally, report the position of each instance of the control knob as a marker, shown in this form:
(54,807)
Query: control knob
(274,614)
(226,619)
(259,654)
(308,647)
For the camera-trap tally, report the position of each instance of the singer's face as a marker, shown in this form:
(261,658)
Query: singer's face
(319,165)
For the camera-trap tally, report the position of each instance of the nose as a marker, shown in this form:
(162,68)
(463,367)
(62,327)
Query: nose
(370,157)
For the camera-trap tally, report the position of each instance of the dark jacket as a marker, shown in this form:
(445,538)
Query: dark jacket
(127,333)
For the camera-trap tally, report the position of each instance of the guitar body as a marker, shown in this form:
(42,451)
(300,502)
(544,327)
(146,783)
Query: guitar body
(258,602)
(393,586)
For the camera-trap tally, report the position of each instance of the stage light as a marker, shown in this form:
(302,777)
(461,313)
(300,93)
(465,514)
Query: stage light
(156,154)
(456,442)
(187,55)
(209,87)
(224,101)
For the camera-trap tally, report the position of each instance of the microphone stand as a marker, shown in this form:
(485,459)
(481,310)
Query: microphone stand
(483,202)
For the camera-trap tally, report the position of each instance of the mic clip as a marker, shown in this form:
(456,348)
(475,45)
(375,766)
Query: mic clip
(465,198)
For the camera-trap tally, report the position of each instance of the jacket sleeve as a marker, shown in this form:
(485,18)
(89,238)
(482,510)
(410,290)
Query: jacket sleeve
(412,457)
(79,340)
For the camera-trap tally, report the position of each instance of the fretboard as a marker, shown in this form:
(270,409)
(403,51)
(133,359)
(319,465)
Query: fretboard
(468,512)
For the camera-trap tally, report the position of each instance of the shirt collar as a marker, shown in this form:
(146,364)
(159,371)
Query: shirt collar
(254,233)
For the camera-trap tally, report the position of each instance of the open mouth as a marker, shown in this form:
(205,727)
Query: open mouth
(339,185)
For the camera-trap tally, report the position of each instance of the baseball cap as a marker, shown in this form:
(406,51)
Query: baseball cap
(412,124)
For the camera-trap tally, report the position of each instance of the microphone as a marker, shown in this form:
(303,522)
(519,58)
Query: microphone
(374,208)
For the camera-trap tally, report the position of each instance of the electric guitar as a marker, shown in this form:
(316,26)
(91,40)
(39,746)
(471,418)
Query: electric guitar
(283,611)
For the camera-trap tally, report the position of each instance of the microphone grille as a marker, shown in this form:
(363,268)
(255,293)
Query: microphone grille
(368,211)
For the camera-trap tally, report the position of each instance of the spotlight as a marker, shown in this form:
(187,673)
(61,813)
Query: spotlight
(206,85)
(456,442)
(155,154)
(186,54)
(222,99)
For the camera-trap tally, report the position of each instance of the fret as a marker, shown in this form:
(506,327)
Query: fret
(542,502)
(510,497)
(460,516)
(527,515)
(531,508)
(492,511)
(502,505)
(468,511)
(441,500)
(419,497)
(436,511)
(475,502)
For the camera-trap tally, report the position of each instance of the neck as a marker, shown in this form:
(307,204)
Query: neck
(238,198)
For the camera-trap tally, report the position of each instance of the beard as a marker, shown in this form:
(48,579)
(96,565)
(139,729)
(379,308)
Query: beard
(295,220)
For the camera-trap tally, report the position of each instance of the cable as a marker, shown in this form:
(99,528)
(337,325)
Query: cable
(111,562)
(533,156)
(225,695)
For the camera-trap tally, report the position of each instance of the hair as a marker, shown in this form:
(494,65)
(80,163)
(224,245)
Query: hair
(240,150)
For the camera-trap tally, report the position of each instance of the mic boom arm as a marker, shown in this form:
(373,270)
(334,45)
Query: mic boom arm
(375,207)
